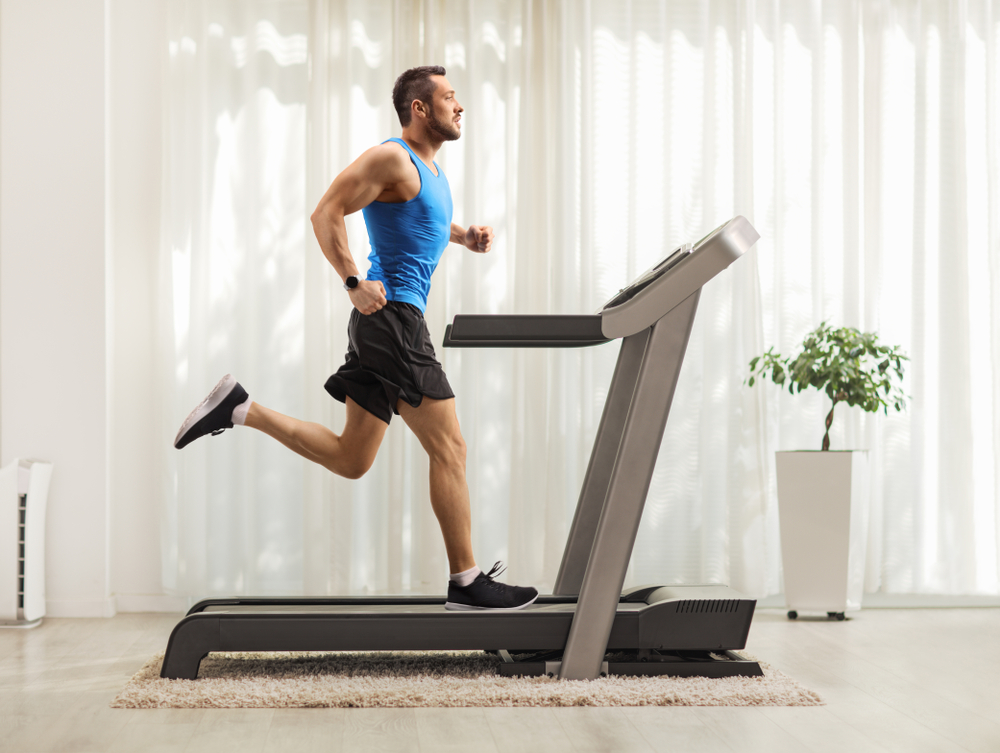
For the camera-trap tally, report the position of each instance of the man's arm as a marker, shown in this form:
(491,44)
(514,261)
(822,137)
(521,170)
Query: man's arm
(478,238)
(363,181)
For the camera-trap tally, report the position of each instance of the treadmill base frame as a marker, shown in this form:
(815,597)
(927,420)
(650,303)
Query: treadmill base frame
(644,663)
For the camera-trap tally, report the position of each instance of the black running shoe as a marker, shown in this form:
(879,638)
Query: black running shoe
(215,413)
(486,593)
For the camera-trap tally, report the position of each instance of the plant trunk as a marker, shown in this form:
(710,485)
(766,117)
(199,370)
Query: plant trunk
(829,422)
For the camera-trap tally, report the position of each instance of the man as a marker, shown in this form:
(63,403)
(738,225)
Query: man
(390,365)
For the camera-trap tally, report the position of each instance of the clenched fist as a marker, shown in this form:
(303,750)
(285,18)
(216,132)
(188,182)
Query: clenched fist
(368,297)
(479,238)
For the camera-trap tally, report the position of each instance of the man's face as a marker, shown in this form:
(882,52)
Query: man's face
(445,113)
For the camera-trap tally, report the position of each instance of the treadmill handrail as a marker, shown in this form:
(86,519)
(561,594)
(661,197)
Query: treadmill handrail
(524,331)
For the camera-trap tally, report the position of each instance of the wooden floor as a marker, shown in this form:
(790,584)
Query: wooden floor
(894,680)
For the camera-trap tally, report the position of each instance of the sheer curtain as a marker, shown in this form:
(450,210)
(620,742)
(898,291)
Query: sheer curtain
(875,178)
(859,138)
(232,277)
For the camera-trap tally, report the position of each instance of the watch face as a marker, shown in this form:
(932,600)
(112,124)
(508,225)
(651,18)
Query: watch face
(352,282)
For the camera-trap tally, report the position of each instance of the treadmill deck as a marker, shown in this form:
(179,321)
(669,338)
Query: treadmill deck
(676,618)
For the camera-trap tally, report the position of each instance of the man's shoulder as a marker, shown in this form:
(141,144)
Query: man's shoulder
(390,151)
(389,157)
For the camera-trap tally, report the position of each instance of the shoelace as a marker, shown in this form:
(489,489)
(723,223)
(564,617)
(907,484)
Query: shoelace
(497,569)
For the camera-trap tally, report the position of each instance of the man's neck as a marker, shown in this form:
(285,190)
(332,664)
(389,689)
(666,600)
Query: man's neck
(423,146)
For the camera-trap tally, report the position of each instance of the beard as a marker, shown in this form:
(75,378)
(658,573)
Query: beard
(446,131)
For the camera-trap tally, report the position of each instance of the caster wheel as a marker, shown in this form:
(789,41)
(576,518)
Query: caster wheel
(838,616)
(793,615)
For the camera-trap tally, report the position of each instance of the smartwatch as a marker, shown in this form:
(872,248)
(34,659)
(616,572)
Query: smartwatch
(352,282)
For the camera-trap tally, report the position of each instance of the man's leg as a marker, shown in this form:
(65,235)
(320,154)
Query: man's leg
(436,426)
(349,454)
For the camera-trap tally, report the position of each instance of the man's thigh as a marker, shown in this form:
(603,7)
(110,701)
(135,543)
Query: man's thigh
(434,422)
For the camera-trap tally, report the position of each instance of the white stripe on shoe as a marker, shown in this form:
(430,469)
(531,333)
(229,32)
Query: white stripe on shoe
(210,403)
(453,606)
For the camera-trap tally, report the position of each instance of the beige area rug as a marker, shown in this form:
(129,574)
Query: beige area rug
(424,679)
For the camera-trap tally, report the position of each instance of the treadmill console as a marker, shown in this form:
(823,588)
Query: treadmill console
(672,259)
(671,281)
(629,291)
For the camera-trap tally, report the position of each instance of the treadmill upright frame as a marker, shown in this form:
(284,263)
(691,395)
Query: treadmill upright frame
(617,481)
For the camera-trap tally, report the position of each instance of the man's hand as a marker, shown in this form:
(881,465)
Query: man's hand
(368,297)
(479,238)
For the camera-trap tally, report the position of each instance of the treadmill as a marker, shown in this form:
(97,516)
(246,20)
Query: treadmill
(588,627)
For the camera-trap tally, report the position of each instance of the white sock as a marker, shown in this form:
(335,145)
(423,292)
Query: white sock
(465,577)
(240,412)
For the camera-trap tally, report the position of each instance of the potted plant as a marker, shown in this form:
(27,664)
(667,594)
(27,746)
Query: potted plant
(823,496)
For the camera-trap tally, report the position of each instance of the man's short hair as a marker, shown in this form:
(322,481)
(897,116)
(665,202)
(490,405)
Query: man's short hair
(414,84)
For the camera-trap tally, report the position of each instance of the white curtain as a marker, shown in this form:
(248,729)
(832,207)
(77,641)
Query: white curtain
(232,275)
(859,138)
(876,190)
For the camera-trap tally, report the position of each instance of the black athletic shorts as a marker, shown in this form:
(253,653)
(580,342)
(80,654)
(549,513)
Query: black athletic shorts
(389,358)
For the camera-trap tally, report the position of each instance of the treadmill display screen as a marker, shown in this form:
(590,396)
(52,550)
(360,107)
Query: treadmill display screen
(662,267)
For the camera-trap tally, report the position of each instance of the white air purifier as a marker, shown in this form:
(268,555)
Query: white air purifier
(24,490)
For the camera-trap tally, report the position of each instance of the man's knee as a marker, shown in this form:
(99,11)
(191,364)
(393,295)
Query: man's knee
(450,449)
(356,449)
(352,462)
(352,468)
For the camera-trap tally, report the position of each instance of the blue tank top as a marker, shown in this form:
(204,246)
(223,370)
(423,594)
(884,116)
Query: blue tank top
(409,237)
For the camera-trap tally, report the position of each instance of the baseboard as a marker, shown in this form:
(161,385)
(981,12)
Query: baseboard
(152,603)
(72,608)
(927,601)
(118,603)
(902,601)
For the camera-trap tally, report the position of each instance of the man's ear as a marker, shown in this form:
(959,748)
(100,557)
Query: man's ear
(418,108)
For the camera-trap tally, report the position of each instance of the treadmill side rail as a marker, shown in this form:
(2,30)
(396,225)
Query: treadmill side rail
(361,602)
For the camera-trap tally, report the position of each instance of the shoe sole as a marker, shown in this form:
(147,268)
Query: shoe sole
(210,403)
(453,607)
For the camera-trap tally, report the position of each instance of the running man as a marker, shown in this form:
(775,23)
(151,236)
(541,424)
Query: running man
(390,365)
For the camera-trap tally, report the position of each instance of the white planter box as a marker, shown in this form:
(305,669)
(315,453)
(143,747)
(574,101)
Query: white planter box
(823,514)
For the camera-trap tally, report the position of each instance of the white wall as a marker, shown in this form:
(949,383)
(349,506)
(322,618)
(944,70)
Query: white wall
(53,350)
(80,100)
